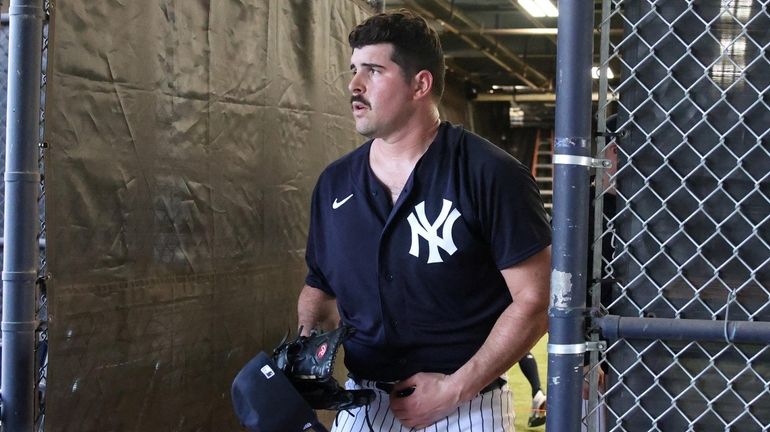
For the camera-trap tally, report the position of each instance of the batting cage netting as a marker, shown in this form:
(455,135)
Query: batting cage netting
(681,274)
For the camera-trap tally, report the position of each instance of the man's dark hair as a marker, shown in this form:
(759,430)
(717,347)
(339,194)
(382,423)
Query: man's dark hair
(416,46)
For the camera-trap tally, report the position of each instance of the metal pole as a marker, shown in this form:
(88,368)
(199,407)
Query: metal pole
(22,179)
(614,327)
(572,163)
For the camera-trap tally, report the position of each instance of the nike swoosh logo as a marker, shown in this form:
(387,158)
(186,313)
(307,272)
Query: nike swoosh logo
(337,204)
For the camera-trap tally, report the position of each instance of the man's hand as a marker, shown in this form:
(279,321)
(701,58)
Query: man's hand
(434,397)
(586,387)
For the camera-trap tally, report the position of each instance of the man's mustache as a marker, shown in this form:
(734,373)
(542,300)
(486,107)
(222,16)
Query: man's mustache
(359,98)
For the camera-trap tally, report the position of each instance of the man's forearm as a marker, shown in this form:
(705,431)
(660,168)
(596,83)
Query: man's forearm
(316,310)
(436,395)
(514,334)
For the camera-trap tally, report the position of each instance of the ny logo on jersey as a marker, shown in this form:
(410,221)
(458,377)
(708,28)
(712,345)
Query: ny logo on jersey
(429,231)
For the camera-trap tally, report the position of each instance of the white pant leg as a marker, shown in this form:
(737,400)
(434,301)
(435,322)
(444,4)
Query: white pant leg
(601,418)
(489,412)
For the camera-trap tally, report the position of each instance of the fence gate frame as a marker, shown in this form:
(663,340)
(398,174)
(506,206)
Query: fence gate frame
(677,316)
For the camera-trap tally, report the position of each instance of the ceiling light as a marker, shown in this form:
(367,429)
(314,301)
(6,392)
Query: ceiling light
(595,73)
(539,8)
(506,88)
(548,7)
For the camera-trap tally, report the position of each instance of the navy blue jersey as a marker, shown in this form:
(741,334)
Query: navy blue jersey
(420,279)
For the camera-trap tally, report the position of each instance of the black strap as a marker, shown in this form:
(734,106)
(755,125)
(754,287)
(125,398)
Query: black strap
(498,383)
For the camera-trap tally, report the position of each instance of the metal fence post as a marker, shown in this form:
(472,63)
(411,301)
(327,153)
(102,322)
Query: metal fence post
(572,163)
(22,178)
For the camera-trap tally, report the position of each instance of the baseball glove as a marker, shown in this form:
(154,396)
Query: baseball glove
(308,362)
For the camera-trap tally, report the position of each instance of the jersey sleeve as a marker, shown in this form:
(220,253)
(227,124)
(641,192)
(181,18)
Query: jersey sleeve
(513,217)
(315,241)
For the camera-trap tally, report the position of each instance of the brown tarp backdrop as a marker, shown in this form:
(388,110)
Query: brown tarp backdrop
(185,139)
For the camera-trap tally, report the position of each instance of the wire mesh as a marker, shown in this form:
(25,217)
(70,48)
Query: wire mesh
(684,230)
(41,333)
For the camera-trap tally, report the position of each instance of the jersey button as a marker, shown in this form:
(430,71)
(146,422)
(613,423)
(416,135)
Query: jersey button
(402,361)
(389,277)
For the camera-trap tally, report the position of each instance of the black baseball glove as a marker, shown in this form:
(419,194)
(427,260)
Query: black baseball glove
(308,362)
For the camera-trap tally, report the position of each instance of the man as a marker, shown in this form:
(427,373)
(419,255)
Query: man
(428,240)
(528,366)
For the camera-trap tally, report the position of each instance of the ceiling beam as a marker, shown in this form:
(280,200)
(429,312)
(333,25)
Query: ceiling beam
(502,56)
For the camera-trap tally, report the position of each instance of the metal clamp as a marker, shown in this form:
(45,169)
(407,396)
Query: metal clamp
(600,346)
(562,159)
(578,348)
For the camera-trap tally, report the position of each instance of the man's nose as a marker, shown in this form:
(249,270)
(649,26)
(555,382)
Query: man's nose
(356,85)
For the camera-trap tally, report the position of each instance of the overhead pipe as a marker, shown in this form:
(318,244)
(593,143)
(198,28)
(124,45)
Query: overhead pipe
(530,31)
(542,31)
(537,23)
(531,73)
(502,56)
(22,182)
(452,29)
(536,97)
(572,165)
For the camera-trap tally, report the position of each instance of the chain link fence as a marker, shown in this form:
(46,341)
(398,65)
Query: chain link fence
(683,230)
(41,333)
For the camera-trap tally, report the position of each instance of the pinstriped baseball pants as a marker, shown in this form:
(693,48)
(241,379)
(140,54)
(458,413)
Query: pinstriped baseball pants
(489,412)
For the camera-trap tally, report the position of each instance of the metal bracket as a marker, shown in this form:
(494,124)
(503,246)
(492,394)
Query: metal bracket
(562,159)
(600,346)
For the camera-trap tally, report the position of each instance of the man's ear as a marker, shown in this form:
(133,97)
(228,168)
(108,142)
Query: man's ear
(423,84)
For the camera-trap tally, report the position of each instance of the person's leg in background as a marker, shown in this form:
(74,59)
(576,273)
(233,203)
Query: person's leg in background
(528,366)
